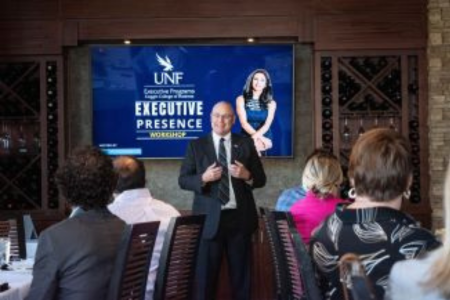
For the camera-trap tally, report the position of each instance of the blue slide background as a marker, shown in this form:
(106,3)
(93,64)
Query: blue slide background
(121,73)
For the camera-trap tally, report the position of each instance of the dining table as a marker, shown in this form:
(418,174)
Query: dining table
(18,275)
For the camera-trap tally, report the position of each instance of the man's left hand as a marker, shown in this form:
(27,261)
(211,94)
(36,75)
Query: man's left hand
(238,170)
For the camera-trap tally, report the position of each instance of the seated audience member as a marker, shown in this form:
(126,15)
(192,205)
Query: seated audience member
(426,278)
(321,177)
(76,211)
(373,227)
(75,257)
(135,204)
(290,196)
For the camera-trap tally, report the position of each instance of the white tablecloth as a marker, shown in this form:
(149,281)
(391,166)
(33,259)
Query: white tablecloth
(19,284)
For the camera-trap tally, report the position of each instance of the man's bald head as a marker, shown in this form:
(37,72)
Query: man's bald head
(222,118)
(131,173)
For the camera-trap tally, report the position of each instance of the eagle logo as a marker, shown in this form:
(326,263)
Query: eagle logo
(165,63)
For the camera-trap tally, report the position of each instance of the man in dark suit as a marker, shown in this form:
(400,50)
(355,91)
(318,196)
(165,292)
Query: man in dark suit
(75,257)
(222,169)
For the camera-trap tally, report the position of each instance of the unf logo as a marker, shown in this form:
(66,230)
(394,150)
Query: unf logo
(165,78)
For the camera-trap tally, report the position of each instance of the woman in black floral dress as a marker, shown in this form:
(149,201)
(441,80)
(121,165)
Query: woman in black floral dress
(373,227)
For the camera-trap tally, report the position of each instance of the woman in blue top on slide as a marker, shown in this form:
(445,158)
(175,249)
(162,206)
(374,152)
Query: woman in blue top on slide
(256,109)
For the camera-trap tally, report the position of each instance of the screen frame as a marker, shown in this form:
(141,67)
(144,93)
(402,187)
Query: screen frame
(202,44)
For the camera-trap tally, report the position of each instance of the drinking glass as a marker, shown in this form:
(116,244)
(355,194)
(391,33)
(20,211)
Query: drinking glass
(346,135)
(6,137)
(392,124)
(361,129)
(5,251)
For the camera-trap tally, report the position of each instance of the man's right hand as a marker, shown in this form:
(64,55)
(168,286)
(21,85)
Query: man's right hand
(212,173)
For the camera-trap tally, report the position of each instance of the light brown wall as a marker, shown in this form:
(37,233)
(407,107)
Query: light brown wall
(439,101)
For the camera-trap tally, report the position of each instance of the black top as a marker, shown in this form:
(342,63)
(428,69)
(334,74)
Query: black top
(380,236)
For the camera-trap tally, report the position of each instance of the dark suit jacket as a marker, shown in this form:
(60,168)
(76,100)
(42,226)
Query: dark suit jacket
(200,155)
(75,257)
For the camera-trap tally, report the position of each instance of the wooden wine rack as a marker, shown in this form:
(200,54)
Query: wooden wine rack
(358,91)
(30,134)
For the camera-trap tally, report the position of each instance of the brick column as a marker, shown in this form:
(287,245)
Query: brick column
(438,101)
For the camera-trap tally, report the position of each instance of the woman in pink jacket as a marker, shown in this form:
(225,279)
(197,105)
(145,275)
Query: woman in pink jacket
(322,177)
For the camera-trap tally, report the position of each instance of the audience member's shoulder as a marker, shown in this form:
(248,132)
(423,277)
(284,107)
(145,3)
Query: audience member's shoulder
(288,191)
(414,268)
(322,230)
(61,228)
(419,230)
(418,233)
(57,227)
(169,209)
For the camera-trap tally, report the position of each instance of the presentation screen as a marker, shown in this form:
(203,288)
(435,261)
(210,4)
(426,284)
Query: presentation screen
(150,101)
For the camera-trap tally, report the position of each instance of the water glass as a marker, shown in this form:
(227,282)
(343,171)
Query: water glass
(5,250)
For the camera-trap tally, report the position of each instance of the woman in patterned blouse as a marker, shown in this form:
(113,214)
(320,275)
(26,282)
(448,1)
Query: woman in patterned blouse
(427,278)
(373,227)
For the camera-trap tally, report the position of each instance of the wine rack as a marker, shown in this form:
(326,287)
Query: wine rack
(359,91)
(30,142)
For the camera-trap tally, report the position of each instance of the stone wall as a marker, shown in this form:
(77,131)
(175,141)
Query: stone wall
(438,101)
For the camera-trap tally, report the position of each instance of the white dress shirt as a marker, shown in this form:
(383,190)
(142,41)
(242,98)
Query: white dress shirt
(138,206)
(227,143)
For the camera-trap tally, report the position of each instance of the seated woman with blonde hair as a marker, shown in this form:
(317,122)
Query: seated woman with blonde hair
(372,227)
(426,278)
(322,177)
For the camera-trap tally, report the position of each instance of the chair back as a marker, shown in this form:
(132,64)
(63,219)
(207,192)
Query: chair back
(281,288)
(129,278)
(353,277)
(177,265)
(294,263)
(11,226)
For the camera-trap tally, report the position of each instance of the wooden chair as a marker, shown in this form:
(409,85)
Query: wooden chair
(129,278)
(11,226)
(353,277)
(177,265)
(281,287)
(296,274)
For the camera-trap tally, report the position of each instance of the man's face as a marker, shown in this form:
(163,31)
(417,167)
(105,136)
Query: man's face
(222,119)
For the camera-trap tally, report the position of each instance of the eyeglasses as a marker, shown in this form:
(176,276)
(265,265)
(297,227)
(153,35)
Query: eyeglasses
(219,116)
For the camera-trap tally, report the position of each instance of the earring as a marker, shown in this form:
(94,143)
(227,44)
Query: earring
(407,194)
(352,193)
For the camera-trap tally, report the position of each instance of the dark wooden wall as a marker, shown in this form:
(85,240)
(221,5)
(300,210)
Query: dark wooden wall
(42,27)
(36,28)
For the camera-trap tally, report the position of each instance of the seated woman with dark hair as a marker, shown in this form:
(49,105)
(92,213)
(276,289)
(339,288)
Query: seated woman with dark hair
(322,177)
(373,227)
(75,257)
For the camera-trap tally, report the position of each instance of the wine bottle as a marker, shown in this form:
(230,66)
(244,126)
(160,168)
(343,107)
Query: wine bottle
(326,88)
(326,63)
(327,113)
(327,138)
(414,136)
(327,125)
(326,75)
(326,100)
